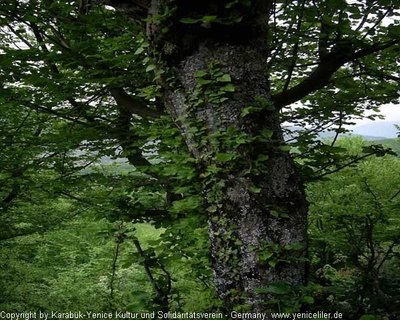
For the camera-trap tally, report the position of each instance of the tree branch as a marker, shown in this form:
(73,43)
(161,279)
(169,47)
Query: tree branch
(343,166)
(134,106)
(295,49)
(127,140)
(146,266)
(321,76)
(318,79)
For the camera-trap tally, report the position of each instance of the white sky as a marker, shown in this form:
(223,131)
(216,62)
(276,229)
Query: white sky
(390,111)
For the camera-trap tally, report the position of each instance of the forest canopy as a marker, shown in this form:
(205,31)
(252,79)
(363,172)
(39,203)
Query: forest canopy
(164,155)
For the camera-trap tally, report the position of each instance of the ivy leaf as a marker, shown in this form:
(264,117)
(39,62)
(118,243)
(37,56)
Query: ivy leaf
(273,262)
(224,157)
(308,299)
(224,78)
(200,74)
(228,88)
(209,18)
(255,189)
(279,288)
(285,148)
(204,81)
(150,67)
(139,50)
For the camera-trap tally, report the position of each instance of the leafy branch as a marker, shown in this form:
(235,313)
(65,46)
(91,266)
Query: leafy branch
(321,75)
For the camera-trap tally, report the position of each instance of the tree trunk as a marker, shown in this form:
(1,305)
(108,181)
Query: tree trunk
(251,188)
(259,206)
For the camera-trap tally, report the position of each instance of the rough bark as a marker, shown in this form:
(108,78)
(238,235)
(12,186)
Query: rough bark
(244,224)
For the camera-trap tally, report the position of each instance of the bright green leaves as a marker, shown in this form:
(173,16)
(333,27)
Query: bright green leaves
(212,92)
(224,157)
(150,67)
(279,288)
(260,104)
(272,254)
(324,157)
(298,48)
(186,205)
(354,216)
(248,110)
(200,74)
(254,189)
(228,88)
(224,78)
(213,86)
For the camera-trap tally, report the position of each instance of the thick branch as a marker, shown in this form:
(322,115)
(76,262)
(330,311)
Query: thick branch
(127,140)
(321,76)
(318,79)
(12,194)
(134,106)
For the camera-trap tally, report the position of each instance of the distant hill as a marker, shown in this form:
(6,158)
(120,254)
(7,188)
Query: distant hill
(365,137)
(331,134)
(380,129)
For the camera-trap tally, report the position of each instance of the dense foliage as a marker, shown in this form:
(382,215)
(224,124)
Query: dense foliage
(64,253)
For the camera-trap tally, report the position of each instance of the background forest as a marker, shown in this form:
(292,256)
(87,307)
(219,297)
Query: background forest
(86,251)
(125,126)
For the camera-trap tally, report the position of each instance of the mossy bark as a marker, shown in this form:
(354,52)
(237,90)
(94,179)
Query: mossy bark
(261,204)
(257,207)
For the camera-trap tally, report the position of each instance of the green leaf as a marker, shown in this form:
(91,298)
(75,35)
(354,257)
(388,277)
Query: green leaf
(224,157)
(285,148)
(273,263)
(224,78)
(203,81)
(308,299)
(200,74)
(150,67)
(245,111)
(279,288)
(209,18)
(265,255)
(189,20)
(228,88)
(255,189)
(267,133)
(230,4)
(293,247)
(274,213)
(139,50)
